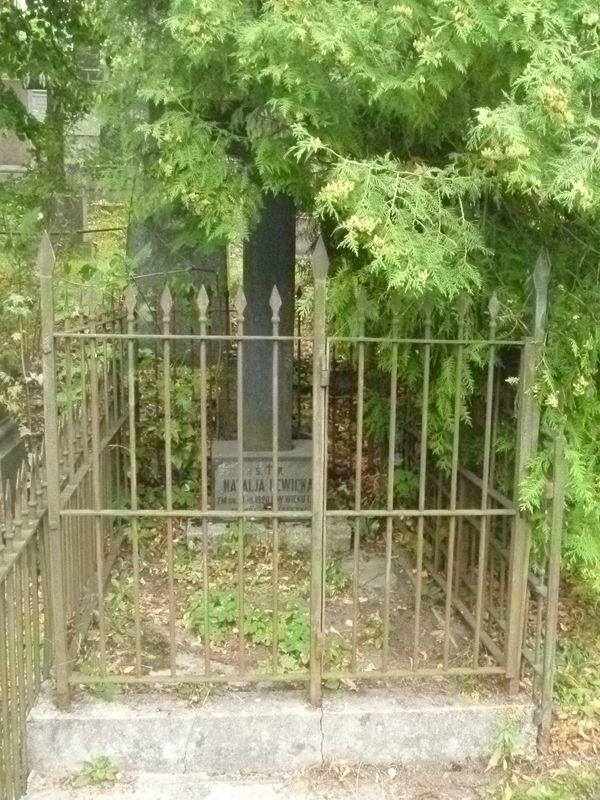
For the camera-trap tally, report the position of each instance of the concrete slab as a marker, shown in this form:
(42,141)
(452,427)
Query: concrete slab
(382,727)
(264,732)
(241,732)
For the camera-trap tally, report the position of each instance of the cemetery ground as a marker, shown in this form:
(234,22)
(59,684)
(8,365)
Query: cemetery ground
(222,604)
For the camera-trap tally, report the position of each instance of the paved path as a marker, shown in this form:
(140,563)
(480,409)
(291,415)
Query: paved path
(423,784)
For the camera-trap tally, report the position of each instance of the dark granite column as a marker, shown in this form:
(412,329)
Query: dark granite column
(269,260)
(12,450)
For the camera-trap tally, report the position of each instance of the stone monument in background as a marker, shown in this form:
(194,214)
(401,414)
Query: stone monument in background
(269,261)
(12,450)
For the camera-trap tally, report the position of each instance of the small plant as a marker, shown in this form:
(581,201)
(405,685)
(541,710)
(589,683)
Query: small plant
(98,771)
(573,784)
(406,486)
(336,580)
(294,638)
(293,626)
(118,603)
(103,689)
(509,745)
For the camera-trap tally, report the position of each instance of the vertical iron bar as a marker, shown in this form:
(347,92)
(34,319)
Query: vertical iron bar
(358,471)
(275,303)
(130,304)
(454,480)
(554,554)
(46,261)
(240,307)
(203,304)
(485,481)
(166,302)
(320,264)
(422,485)
(389,525)
(96,483)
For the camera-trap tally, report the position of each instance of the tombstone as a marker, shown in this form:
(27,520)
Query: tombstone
(152,244)
(269,261)
(12,450)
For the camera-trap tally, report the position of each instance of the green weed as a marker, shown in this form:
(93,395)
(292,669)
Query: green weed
(98,771)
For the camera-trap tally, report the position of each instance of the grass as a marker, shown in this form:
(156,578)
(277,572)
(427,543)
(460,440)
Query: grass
(572,784)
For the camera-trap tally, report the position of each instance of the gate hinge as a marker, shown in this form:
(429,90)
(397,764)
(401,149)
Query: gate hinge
(324,377)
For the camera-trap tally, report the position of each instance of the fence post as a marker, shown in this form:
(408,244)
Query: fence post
(45,262)
(528,422)
(559,481)
(320,263)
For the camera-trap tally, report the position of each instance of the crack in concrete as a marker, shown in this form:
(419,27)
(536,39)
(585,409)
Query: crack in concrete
(321,716)
(187,747)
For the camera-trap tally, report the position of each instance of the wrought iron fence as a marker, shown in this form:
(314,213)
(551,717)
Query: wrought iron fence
(25,632)
(407,557)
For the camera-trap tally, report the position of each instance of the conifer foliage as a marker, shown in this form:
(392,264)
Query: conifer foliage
(442,143)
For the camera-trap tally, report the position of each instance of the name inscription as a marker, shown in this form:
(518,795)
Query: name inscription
(293,484)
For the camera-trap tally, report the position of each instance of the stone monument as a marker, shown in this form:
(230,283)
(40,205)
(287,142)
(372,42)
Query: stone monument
(12,450)
(269,261)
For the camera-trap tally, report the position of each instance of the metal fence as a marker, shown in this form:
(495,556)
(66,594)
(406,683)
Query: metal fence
(408,559)
(25,625)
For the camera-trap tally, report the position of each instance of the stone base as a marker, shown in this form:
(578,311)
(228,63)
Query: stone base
(270,731)
(296,536)
(294,479)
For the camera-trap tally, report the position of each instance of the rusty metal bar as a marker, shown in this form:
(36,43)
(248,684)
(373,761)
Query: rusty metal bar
(275,303)
(320,264)
(45,263)
(389,522)
(97,488)
(487,441)
(203,303)
(240,309)
(358,470)
(559,484)
(454,481)
(166,303)
(131,299)
(422,486)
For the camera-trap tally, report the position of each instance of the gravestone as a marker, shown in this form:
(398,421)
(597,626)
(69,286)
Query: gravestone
(152,244)
(269,261)
(12,450)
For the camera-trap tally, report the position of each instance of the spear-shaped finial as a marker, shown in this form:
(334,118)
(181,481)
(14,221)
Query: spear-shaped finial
(166,303)
(320,260)
(240,304)
(275,304)
(131,297)
(203,302)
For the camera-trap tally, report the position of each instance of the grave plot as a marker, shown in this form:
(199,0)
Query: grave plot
(265,629)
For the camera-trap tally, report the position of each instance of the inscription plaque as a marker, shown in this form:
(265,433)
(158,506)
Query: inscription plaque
(293,482)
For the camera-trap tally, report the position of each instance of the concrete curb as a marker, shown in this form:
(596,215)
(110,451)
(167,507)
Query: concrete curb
(268,732)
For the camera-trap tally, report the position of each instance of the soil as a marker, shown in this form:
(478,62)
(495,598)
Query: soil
(353,613)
